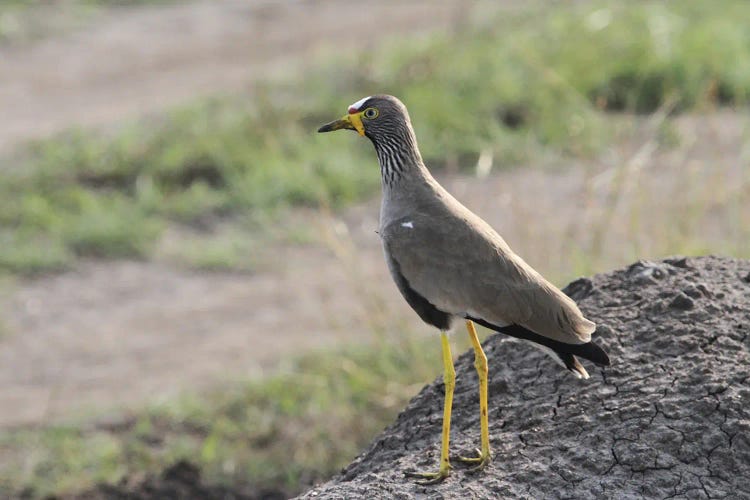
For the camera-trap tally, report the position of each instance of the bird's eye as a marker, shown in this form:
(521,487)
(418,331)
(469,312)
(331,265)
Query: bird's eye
(370,113)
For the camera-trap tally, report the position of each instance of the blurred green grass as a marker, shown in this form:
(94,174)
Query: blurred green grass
(545,81)
(279,434)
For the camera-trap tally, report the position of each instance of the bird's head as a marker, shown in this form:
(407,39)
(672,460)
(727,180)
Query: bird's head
(374,117)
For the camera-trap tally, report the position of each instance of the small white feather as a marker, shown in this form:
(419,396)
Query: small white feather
(408,224)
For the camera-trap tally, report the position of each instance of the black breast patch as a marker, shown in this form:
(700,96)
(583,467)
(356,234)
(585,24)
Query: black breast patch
(428,312)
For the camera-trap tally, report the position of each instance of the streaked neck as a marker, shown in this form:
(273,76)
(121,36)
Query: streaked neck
(399,158)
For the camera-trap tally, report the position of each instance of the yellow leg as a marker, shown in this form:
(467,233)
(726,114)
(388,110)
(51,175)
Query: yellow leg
(480,363)
(449,377)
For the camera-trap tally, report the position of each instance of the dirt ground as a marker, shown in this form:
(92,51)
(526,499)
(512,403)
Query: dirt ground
(114,335)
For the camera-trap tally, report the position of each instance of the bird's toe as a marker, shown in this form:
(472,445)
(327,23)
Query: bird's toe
(479,462)
(429,477)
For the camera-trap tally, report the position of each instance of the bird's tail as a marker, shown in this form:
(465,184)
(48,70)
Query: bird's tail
(563,353)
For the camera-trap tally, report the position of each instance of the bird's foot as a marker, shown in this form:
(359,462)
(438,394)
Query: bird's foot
(430,477)
(479,462)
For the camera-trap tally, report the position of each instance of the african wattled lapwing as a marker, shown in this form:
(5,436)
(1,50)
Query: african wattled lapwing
(448,263)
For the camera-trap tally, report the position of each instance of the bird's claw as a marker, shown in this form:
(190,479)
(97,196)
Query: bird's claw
(480,461)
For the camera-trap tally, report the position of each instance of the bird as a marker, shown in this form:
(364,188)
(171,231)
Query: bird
(450,265)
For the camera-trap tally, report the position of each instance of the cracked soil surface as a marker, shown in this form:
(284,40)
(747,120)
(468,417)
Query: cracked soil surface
(669,419)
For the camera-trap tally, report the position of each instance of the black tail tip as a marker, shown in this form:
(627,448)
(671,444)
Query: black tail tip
(593,352)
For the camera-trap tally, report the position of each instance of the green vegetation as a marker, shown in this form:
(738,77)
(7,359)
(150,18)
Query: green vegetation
(519,85)
(280,433)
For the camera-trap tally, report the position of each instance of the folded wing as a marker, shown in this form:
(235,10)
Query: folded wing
(459,264)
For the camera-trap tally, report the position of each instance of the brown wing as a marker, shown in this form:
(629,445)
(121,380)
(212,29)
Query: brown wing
(462,266)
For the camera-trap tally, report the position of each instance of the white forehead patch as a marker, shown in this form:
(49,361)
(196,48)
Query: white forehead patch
(355,107)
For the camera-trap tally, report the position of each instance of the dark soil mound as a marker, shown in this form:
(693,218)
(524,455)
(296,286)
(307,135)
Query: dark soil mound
(670,418)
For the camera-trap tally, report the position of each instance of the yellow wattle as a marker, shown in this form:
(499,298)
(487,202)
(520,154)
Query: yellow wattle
(356,120)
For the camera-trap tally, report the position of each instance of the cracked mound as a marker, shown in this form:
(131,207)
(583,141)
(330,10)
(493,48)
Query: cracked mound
(669,418)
